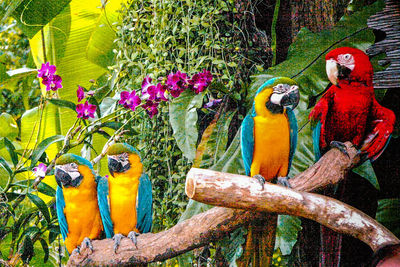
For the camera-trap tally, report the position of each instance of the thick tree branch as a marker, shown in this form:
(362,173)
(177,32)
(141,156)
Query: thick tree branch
(215,223)
(237,191)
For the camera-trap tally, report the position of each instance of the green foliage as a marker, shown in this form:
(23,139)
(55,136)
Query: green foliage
(388,214)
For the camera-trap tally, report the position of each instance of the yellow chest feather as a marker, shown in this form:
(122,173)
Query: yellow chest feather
(82,211)
(271,141)
(123,193)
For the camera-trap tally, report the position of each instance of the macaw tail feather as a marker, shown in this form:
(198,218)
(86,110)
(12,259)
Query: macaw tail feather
(260,242)
(331,245)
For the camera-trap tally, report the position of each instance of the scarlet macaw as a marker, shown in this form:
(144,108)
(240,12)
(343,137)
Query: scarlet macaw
(268,143)
(130,193)
(348,111)
(81,202)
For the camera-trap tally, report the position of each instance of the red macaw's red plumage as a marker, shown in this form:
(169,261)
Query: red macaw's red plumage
(348,111)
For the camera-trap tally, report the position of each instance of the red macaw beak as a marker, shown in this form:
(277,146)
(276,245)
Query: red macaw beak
(332,71)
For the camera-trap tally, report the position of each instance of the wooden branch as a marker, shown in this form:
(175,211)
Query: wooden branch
(195,232)
(212,224)
(243,192)
(329,170)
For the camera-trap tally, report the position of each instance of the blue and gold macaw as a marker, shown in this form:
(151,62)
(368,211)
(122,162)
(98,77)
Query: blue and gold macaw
(268,143)
(131,200)
(81,201)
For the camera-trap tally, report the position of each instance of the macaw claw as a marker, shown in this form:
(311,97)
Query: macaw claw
(77,250)
(117,241)
(132,235)
(260,179)
(85,243)
(341,146)
(283,181)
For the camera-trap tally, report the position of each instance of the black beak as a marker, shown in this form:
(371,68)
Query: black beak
(291,99)
(62,178)
(114,166)
(343,72)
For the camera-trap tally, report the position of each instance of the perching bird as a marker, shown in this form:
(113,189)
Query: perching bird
(81,201)
(131,201)
(268,143)
(348,111)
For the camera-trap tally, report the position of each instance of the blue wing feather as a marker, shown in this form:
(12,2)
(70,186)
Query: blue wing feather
(60,205)
(144,207)
(247,142)
(293,134)
(102,198)
(316,134)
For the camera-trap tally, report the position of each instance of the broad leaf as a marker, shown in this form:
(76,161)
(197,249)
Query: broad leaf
(101,43)
(41,206)
(183,119)
(37,153)
(9,127)
(30,16)
(388,214)
(63,103)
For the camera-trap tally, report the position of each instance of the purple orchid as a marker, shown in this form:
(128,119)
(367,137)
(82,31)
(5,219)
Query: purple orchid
(161,92)
(46,70)
(80,93)
(200,81)
(177,83)
(212,103)
(52,82)
(86,110)
(151,108)
(40,170)
(130,99)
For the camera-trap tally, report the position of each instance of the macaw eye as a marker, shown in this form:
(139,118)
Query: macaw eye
(74,165)
(294,87)
(347,56)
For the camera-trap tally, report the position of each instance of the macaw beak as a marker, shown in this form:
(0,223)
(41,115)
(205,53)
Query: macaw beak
(291,98)
(332,71)
(335,71)
(66,179)
(114,165)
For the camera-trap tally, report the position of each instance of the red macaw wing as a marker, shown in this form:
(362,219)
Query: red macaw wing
(383,120)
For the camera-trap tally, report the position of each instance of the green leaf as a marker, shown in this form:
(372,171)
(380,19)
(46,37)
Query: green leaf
(213,142)
(286,233)
(9,127)
(37,153)
(26,249)
(101,43)
(6,166)
(367,171)
(11,150)
(46,189)
(183,119)
(388,214)
(45,249)
(63,103)
(31,17)
(41,206)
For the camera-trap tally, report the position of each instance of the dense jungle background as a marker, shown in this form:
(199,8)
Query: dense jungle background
(110,46)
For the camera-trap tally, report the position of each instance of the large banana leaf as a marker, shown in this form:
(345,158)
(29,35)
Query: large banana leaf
(307,47)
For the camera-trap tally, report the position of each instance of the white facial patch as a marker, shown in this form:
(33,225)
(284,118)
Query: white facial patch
(74,175)
(332,71)
(346,60)
(276,98)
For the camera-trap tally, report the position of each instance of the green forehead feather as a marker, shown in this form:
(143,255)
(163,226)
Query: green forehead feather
(69,158)
(120,148)
(275,81)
